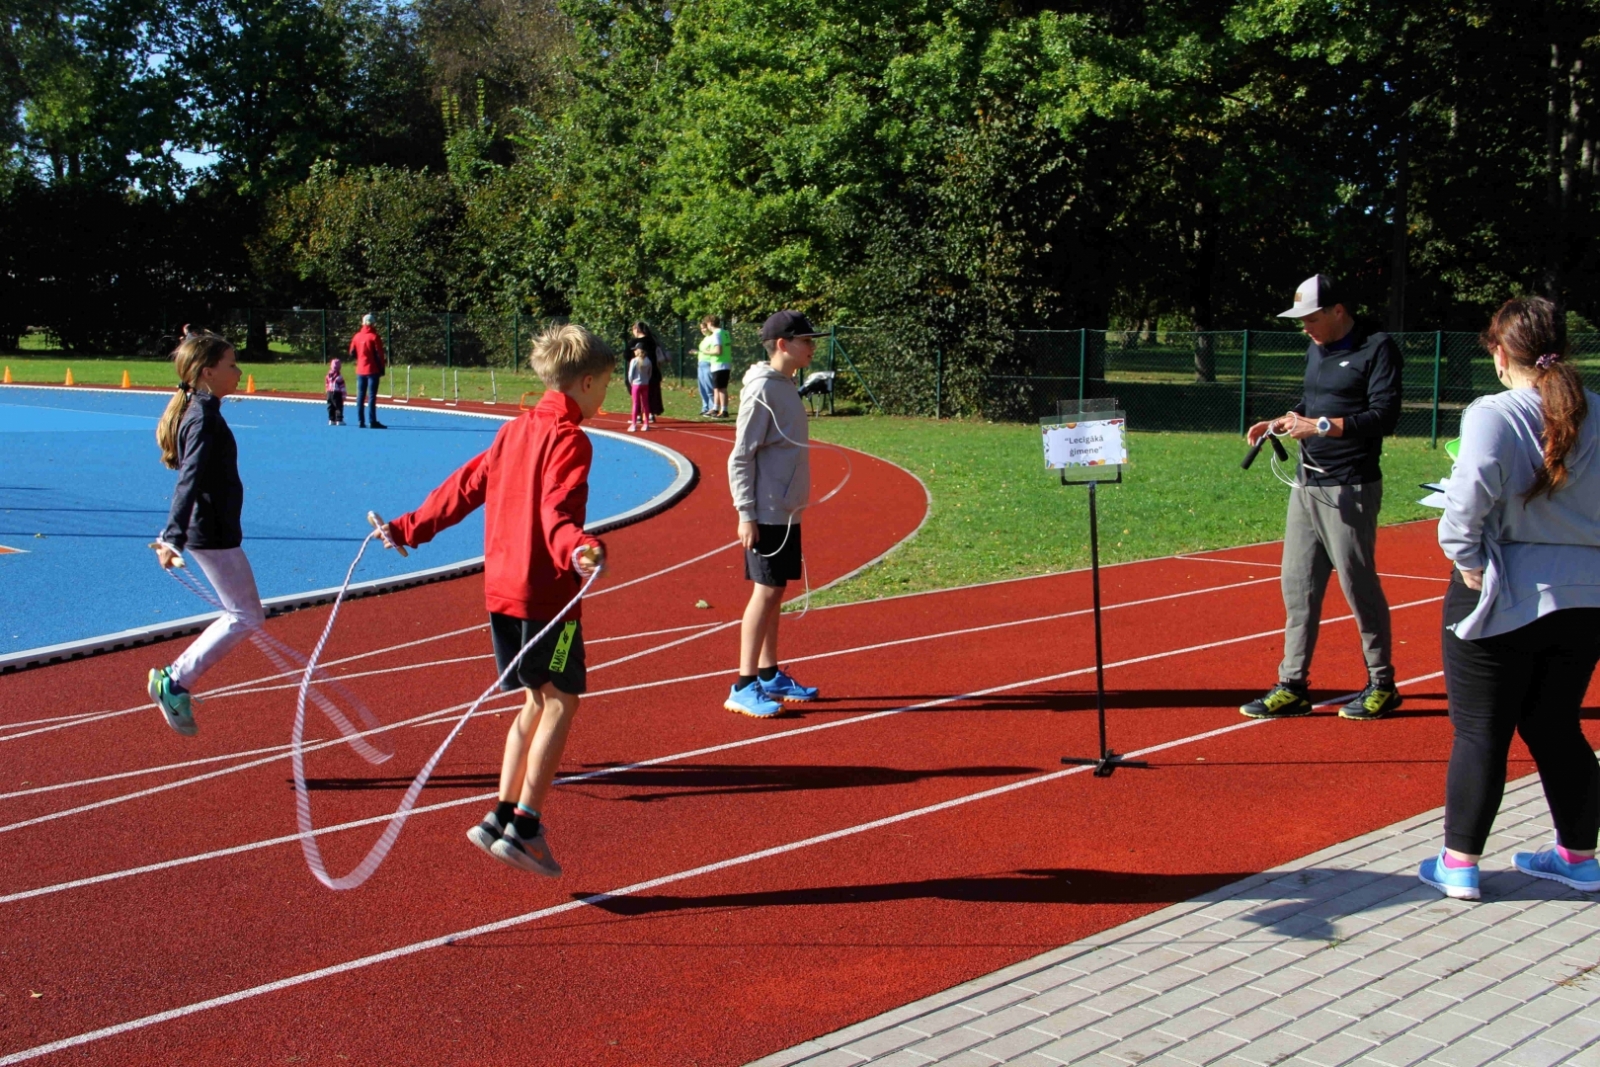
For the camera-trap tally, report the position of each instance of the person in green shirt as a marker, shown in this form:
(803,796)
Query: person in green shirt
(716,365)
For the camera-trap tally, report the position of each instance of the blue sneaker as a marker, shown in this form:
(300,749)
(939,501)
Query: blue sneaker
(1459,883)
(752,701)
(784,688)
(1547,863)
(176,706)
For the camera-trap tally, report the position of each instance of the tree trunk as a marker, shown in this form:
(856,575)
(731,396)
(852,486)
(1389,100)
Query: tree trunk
(1202,262)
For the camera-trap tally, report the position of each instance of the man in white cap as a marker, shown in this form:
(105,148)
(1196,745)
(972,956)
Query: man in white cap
(1350,403)
(367,348)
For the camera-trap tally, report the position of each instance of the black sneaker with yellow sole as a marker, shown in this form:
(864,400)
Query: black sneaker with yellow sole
(1281,702)
(1374,702)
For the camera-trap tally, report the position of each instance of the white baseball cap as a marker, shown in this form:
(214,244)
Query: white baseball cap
(1314,294)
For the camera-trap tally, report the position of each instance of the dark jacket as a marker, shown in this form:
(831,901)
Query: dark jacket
(1360,384)
(209,496)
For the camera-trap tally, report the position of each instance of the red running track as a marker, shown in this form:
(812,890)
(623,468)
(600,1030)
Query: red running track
(732,887)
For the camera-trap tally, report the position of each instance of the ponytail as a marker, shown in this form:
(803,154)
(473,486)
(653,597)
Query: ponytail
(1561,396)
(194,353)
(1532,333)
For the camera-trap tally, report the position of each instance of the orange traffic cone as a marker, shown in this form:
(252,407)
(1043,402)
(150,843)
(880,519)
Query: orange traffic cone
(69,380)
(250,383)
(7,380)
(127,382)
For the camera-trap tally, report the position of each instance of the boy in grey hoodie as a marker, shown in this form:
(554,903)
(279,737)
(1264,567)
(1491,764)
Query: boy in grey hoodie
(769,473)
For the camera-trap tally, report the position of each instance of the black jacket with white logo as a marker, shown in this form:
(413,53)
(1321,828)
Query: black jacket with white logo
(1360,384)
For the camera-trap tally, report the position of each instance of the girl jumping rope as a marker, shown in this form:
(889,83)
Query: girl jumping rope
(196,441)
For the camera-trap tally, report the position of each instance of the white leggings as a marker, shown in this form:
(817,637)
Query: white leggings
(229,573)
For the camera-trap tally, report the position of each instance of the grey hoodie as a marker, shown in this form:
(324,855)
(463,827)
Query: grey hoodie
(1540,555)
(769,469)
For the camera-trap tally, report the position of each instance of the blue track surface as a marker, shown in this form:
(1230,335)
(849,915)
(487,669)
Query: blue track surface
(82,469)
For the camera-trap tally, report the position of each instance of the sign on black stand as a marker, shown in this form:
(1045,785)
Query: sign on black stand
(1088,441)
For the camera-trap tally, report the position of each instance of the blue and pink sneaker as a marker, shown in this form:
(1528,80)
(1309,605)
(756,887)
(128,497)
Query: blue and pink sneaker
(784,688)
(1547,863)
(1458,883)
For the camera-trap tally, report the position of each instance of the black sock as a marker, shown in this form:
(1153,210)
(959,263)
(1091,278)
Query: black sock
(745,681)
(767,674)
(504,811)
(174,687)
(526,822)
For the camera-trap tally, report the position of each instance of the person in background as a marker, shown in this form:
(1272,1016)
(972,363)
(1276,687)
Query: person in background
(336,392)
(1521,629)
(712,341)
(367,347)
(640,370)
(721,366)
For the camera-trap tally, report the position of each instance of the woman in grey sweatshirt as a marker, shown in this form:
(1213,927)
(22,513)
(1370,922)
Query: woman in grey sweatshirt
(1522,613)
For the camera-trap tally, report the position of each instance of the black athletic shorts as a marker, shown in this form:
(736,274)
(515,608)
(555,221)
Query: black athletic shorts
(770,564)
(719,378)
(557,658)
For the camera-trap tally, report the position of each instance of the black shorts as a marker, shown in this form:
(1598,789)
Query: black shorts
(557,658)
(719,378)
(770,564)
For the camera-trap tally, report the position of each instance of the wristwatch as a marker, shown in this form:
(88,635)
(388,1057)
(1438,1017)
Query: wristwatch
(1323,426)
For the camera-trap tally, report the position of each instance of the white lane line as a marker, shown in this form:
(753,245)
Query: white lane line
(433,719)
(1279,566)
(236,768)
(48,718)
(899,641)
(765,738)
(524,919)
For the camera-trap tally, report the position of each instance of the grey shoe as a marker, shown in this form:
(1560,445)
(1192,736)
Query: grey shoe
(487,832)
(527,854)
(177,707)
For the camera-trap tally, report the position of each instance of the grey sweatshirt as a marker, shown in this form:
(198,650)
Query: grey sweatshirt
(769,469)
(1538,556)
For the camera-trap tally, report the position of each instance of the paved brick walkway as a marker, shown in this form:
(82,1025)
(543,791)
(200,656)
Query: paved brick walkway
(1342,957)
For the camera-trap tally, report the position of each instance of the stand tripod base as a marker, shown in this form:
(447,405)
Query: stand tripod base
(1104,765)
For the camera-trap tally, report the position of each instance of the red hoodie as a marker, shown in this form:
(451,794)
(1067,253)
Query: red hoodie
(367,347)
(533,485)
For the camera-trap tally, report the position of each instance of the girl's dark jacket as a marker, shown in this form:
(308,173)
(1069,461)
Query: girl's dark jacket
(209,496)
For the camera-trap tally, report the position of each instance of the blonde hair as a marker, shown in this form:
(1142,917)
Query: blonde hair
(194,354)
(563,354)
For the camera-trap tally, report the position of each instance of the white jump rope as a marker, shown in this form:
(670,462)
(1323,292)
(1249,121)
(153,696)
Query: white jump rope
(380,849)
(1277,471)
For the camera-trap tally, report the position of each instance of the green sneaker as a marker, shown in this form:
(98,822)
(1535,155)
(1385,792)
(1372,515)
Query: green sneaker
(174,704)
(1374,703)
(1281,702)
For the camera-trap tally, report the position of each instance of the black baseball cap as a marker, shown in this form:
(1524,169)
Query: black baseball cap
(788,325)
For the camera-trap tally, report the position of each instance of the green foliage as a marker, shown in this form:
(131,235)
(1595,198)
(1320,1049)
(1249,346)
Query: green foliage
(374,237)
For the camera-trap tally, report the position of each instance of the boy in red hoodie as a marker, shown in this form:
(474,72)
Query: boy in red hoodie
(533,484)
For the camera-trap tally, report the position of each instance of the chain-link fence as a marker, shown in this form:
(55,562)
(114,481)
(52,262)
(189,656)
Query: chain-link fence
(1217,381)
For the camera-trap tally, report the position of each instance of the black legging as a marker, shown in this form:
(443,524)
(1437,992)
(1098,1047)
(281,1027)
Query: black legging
(1532,681)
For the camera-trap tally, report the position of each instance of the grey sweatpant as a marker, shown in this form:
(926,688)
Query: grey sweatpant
(1333,527)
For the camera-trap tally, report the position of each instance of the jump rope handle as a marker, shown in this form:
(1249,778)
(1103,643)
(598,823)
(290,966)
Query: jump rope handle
(1255,450)
(383,532)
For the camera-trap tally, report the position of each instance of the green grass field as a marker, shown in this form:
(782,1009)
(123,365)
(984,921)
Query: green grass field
(996,512)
